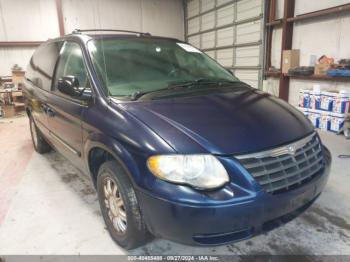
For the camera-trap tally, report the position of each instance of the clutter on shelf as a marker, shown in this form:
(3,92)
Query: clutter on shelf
(11,97)
(326,66)
(301,71)
(290,60)
(327,110)
(322,68)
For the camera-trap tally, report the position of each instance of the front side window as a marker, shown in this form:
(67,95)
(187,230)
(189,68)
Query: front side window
(71,64)
(130,65)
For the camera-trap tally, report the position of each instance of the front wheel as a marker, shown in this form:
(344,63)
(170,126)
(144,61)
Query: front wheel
(39,143)
(119,206)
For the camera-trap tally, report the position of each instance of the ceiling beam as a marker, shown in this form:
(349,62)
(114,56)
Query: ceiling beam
(20,43)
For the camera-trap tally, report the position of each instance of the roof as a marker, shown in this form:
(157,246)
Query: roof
(80,31)
(88,34)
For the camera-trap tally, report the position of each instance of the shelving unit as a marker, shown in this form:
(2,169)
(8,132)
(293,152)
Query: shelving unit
(12,100)
(272,74)
(321,13)
(287,24)
(20,43)
(11,103)
(311,77)
(17,98)
(274,23)
(312,15)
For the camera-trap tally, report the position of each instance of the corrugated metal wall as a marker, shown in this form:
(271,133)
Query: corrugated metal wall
(159,17)
(31,20)
(230,32)
(36,20)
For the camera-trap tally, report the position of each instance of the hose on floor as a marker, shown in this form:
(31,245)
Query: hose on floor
(344,156)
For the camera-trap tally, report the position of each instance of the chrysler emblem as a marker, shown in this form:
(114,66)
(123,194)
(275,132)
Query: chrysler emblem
(291,149)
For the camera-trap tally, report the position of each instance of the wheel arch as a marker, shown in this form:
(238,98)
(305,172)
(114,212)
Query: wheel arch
(100,148)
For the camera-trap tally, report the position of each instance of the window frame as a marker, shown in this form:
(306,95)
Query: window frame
(53,88)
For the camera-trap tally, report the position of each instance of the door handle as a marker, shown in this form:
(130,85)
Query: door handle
(50,112)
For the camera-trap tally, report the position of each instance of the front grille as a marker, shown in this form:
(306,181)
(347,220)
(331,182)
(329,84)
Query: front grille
(286,168)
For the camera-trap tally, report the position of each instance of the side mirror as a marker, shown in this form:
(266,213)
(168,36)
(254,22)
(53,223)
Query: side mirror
(69,85)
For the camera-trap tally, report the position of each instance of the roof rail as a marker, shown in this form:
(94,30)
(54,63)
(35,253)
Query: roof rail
(79,31)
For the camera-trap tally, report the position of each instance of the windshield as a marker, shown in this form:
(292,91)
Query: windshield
(141,65)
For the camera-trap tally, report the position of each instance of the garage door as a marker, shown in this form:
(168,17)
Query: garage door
(231,32)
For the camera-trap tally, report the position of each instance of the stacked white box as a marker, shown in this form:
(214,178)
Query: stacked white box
(325,121)
(314,117)
(327,99)
(341,102)
(336,122)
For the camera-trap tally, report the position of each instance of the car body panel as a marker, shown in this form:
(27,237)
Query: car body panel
(224,123)
(65,126)
(110,128)
(36,99)
(240,219)
(220,123)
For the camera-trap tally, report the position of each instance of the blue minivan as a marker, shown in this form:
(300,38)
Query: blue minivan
(176,146)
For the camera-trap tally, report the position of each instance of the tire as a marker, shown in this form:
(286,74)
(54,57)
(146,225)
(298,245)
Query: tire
(347,133)
(123,218)
(39,142)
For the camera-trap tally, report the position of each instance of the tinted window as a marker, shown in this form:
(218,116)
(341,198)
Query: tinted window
(71,63)
(42,64)
(127,66)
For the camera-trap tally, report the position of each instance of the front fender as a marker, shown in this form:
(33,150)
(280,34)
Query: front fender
(117,150)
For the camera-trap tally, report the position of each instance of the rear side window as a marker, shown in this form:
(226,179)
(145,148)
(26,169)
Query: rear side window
(42,65)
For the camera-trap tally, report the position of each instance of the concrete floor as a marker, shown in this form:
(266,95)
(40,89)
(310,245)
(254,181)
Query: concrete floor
(48,207)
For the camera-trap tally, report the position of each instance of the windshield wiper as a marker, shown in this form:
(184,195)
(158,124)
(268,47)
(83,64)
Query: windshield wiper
(136,95)
(186,84)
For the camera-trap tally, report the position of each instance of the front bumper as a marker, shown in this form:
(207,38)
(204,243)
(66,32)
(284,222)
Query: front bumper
(220,224)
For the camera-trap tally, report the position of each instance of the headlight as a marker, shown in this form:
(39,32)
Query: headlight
(198,171)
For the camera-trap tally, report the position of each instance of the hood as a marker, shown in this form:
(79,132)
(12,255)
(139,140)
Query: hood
(235,122)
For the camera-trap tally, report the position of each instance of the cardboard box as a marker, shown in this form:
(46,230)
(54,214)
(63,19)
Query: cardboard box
(8,111)
(321,69)
(290,60)
(18,76)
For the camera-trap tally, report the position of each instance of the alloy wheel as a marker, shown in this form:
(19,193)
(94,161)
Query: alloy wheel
(114,205)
